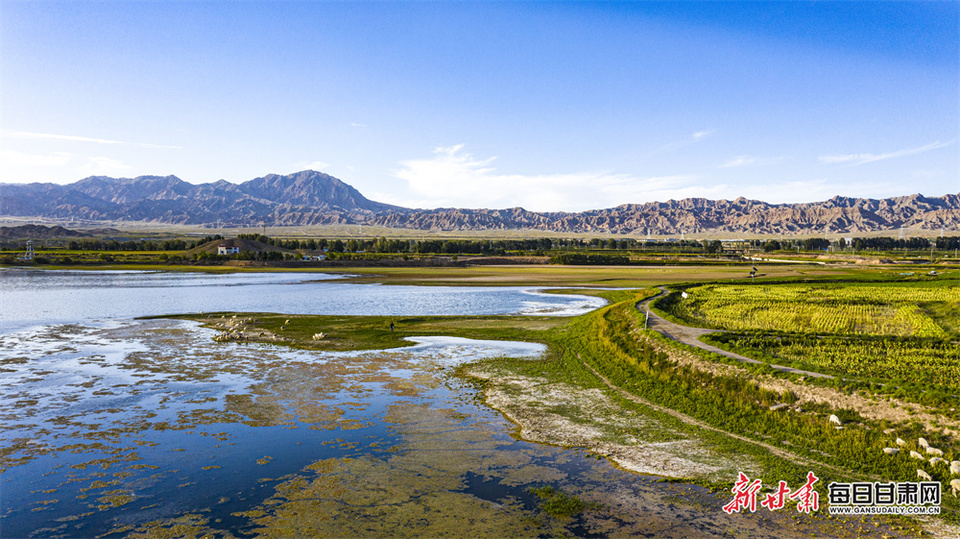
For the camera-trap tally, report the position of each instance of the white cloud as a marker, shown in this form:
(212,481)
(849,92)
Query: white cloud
(863,158)
(319,166)
(454,178)
(702,134)
(14,158)
(75,138)
(58,167)
(105,166)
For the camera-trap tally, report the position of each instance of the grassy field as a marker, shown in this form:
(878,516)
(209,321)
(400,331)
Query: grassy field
(606,276)
(534,275)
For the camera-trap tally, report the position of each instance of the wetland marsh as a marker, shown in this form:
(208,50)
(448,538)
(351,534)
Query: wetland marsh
(115,426)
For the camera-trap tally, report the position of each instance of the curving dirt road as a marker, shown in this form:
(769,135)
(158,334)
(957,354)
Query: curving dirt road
(691,335)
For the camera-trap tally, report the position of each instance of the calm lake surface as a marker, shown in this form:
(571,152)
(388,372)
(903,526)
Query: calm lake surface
(31,297)
(116,427)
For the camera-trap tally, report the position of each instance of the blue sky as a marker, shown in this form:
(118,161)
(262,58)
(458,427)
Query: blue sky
(545,105)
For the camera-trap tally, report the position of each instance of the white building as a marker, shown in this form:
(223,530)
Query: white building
(228,250)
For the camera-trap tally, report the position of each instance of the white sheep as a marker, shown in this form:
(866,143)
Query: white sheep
(936,460)
(923,475)
(891,450)
(955,486)
(955,468)
(901,442)
(922,442)
(834,419)
(934,451)
(916,455)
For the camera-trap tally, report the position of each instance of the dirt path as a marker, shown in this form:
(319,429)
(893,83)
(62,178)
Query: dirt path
(691,335)
(786,455)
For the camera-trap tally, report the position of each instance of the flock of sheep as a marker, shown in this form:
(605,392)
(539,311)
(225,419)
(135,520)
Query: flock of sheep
(242,329)
(922,443)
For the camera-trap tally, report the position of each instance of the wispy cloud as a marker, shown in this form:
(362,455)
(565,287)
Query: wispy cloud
(702,134)
(751,161)
(453,177)
(75,138)
(680,143)
(863,158)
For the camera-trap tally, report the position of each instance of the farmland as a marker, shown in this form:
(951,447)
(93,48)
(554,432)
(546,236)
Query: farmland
(921,368)
(843,309)
(753,405)
(896,338)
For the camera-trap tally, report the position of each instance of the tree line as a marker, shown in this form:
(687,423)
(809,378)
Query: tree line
(133,245)
(538,245)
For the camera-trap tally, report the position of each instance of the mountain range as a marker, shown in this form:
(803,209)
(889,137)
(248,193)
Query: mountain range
(315,198)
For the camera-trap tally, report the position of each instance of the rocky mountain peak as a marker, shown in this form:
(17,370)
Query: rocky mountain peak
(310,198)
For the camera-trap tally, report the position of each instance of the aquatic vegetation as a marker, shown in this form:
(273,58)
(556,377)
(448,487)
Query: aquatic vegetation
(561,504)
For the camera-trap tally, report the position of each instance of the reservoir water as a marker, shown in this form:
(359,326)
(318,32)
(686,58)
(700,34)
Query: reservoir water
(31,297)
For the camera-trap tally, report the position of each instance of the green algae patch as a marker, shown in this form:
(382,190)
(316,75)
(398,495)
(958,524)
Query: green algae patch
(402,497)
(531,473)
(317,413)
(190,526)
(114,498)
(561,504)
(100,484)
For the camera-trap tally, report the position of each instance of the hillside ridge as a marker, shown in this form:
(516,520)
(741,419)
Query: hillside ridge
(314,198)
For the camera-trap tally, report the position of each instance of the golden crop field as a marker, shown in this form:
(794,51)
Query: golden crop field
(883,309)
